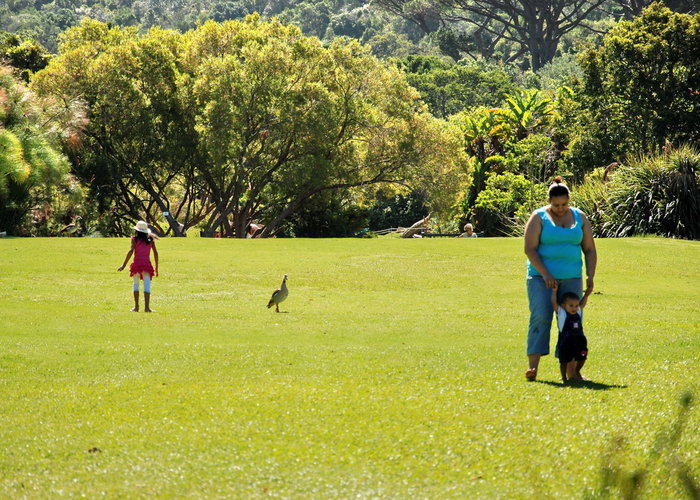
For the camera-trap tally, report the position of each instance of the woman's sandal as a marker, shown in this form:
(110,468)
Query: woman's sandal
(531,374)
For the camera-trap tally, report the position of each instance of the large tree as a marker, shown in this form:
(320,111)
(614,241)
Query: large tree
(241,121)
(536,26)
(137,149)
(281,119)
(642,85)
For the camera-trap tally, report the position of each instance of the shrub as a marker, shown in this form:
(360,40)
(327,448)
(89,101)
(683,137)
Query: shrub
(503,207)
(396,209)
(591,196)
(533,156)
(623,475)
(656,195)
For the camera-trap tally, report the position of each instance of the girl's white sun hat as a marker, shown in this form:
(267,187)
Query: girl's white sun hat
(142,227)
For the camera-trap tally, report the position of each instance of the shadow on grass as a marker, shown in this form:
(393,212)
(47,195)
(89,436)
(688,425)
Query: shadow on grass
(583,384)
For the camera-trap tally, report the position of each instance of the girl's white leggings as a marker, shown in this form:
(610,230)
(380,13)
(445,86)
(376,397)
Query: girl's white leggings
(146,282)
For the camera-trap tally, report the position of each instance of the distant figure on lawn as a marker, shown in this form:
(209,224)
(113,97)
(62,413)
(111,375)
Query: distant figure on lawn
(572,345)
(555,236)
(253,231)
(141,269)
(468,231)
(416,230)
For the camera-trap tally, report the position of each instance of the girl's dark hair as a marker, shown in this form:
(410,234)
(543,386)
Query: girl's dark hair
(569,296)
(143,236)
(558,188)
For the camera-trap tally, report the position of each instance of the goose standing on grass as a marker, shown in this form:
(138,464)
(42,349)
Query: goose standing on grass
(72,228)
(279,295)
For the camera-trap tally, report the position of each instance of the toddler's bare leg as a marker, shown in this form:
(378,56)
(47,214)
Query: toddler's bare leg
(563,369)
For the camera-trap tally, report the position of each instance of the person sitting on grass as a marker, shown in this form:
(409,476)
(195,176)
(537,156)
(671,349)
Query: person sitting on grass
(468,231)
(572,346)
(141,245)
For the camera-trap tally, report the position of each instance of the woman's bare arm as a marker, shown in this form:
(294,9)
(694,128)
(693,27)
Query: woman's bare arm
(533,229)
(589,252)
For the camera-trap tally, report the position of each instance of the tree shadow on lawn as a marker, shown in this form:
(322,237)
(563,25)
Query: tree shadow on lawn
(583,384)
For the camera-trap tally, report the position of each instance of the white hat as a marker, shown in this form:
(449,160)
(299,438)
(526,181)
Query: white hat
(142,227)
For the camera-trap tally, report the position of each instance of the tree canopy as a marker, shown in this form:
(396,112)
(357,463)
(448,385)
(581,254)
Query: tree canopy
(240,121)
(642,85)
(249,120)
(31,163)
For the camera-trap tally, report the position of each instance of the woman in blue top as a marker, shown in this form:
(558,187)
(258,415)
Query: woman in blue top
(555,237)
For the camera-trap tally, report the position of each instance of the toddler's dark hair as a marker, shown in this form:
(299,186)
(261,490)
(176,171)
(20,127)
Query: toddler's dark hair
(569,296)
(558,188)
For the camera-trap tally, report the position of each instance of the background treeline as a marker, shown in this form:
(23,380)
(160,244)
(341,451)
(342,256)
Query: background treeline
(530,34)
(251,121)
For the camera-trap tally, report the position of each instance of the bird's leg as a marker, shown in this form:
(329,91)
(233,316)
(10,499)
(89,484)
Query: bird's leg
(136,302)
(277,307)
(147,301)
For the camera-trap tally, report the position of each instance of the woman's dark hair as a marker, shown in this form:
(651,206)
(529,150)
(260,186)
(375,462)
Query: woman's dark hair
(558,188)
(143,237)
(569,296)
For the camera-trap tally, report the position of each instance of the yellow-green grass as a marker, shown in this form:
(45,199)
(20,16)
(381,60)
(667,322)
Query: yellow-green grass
(395,371)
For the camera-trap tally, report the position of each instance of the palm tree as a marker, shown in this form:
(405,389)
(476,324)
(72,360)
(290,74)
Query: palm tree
(525,113)
(483,138)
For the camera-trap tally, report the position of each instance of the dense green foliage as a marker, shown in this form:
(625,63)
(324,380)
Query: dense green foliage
(252,121)
(394,28)
(44,20)
(657,194)
(237,122)
(396,371)
(449,88)
(641,87)
(517,137)
(25,56)
(33,172)
(506,203)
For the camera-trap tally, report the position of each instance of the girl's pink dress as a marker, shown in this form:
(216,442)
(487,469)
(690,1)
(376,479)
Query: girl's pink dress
(142,258)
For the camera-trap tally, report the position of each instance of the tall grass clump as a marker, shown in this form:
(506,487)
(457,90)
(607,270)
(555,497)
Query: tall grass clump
(655,195)
(624,476)
(591,196)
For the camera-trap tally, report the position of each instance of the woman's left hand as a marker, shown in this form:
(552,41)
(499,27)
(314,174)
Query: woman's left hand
(589,285)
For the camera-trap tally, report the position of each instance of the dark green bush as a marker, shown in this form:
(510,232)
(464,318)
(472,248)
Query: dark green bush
(656,195)
(503,207)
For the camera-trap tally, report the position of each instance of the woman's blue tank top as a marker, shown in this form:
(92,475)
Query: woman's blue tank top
(560,247)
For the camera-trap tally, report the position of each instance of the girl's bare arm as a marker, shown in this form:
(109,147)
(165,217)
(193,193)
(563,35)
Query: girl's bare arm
(128,256)
(155,257)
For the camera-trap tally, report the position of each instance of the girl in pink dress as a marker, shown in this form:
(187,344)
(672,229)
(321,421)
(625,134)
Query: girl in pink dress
(141,269)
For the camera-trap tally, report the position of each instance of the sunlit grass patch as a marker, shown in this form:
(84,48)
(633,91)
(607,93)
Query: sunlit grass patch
(396,370)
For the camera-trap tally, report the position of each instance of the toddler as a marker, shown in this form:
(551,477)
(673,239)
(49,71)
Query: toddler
(572,346)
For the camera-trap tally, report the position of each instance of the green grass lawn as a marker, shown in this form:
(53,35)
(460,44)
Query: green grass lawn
(396,371)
